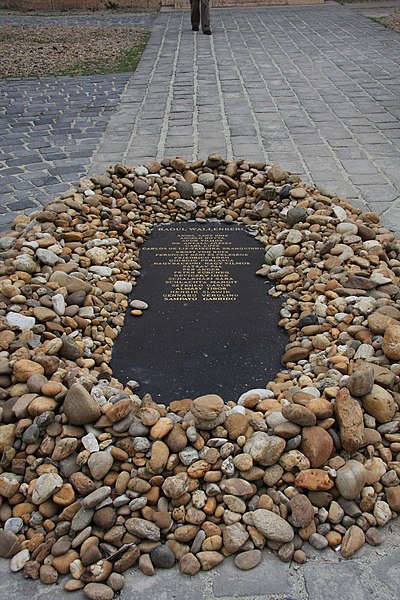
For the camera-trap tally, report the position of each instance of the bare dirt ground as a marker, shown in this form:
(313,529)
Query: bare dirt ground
(40,50)
(392,21)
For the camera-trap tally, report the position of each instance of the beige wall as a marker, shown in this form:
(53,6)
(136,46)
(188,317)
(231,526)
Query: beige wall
(82,4)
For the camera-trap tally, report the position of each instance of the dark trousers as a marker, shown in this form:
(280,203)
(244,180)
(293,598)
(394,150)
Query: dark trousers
(200,8)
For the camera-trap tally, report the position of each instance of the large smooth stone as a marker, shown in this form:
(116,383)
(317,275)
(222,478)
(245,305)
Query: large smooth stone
(98,591)
(272,526)
(295,413)
(207,408)
(80,407)
(264,449)
(380,404)
(316,445)
(361,381)
(353,540)
(302,510)
(100,463)
(391,341)
(350,479)
(143,529)
(248,560)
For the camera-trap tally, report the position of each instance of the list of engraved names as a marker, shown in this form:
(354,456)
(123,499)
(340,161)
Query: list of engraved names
(202,260)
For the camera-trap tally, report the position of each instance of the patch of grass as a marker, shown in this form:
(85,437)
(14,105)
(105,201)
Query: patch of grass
(126,61)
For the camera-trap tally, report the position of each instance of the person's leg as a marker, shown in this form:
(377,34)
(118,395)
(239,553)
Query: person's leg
(205,15)
(195,14)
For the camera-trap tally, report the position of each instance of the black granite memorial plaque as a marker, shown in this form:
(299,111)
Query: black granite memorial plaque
(210,326)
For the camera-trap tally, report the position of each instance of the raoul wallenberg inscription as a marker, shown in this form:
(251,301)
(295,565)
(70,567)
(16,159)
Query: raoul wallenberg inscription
(210,326)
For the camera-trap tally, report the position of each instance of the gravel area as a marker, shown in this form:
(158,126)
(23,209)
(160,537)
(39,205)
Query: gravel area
(40,50)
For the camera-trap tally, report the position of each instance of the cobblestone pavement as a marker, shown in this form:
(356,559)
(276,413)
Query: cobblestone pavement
(314,89)
(50,127)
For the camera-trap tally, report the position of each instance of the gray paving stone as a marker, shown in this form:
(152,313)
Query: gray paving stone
(270,577)
(164,585)
(378,193)
(341,187)
(358,166)
(331,582)
(372,178)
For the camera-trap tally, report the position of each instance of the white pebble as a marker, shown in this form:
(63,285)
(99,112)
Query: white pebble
(122,287)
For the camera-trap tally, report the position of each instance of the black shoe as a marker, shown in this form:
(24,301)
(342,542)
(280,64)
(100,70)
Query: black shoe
(194,28)
(207,32)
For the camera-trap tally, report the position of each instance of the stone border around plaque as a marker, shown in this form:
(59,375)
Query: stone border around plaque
(310,456)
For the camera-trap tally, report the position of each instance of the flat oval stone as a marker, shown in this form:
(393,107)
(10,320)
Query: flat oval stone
(123,287)
(248,560)
(380,404)
(96,497)
(302,510)
(209,559)
(14,524)
(295,413)
(143,529)
(82,519)
(100,463)
(19,560)
(98,591)
(264,449)
(207,408)
(237,487)
(272,526)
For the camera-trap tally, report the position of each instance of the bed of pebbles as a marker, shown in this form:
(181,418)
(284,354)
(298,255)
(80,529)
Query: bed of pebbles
(96,478)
